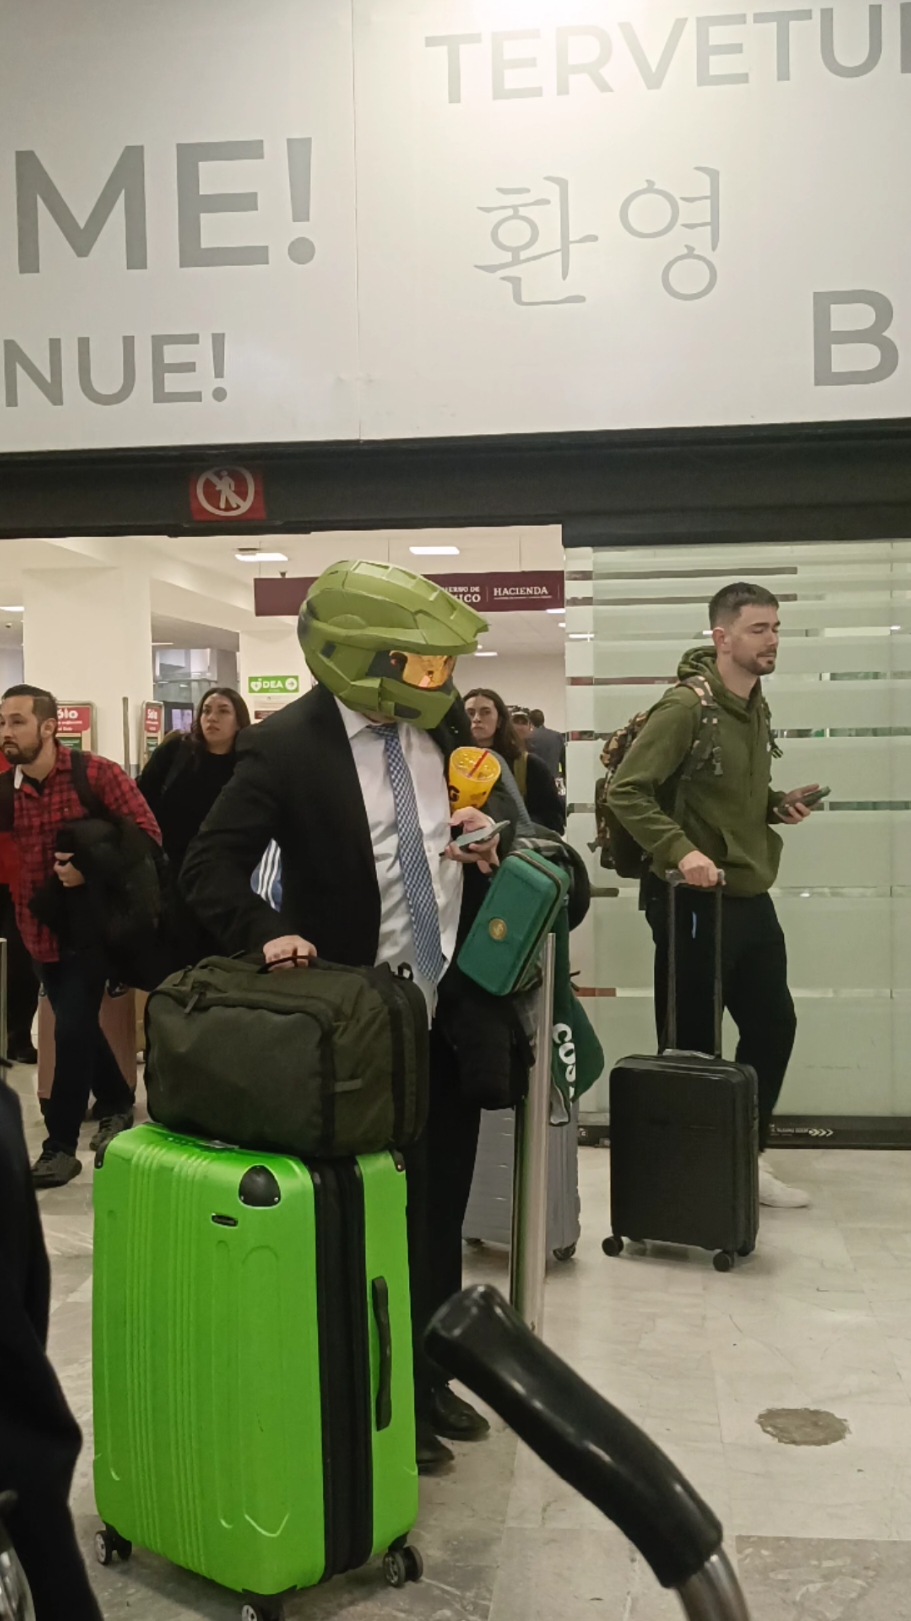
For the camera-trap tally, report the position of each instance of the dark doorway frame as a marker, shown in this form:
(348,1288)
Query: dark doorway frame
(823,481)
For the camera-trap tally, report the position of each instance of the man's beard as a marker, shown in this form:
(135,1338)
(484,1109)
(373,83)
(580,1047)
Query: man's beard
(763,666)
(17,755)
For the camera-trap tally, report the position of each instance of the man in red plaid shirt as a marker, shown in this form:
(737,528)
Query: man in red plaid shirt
(44,799)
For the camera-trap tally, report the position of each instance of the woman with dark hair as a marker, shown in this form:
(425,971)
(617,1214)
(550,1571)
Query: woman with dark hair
(492,728)
(181,783)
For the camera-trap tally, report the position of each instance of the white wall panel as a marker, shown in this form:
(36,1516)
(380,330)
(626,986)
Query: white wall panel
(844,892)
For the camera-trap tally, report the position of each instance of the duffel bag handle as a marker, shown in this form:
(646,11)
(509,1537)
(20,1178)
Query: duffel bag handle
(284,962)
(292,962)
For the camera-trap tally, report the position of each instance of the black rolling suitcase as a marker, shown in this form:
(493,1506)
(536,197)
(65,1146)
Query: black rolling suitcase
(684,1139)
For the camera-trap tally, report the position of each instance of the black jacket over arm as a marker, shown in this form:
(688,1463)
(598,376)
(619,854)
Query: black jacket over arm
(296,782)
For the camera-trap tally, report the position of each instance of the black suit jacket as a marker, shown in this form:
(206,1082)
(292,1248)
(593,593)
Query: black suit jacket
(296,782)
(39,1437)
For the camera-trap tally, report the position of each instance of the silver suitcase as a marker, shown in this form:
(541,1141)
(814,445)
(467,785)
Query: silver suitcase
(488,1218)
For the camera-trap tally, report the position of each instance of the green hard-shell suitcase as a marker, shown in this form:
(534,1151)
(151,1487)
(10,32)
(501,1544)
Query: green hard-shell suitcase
(502,947)
(253,1385)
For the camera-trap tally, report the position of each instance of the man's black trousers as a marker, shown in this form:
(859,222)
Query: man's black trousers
(440,1169)
(754,981)
(85,1063)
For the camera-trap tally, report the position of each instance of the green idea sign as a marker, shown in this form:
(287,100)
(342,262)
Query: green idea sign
(283,684)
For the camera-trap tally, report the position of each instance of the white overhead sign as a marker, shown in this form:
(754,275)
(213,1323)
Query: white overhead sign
(236,222)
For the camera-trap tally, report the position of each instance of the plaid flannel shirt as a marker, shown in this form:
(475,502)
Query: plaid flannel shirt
(38,818)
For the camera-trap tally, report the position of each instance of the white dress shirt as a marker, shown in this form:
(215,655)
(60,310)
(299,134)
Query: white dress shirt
(425,762)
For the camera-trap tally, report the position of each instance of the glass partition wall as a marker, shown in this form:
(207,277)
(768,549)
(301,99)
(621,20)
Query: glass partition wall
(841,707)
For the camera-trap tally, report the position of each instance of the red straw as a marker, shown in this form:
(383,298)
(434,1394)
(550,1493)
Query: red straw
(478,763)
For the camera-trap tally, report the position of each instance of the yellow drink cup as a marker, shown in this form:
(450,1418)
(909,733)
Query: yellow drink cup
(472,774)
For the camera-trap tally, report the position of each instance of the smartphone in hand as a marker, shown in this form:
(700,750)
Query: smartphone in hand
(814,798)
(477,835)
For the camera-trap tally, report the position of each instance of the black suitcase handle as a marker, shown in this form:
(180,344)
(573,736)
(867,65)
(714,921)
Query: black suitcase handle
(380,1297)
(479,1339)
(675,881)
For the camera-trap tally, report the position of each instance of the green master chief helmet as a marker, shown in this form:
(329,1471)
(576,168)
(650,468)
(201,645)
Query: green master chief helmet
(385,640)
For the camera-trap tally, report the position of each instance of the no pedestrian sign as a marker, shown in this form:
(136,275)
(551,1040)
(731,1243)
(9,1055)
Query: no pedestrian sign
(283,684)
(227,495)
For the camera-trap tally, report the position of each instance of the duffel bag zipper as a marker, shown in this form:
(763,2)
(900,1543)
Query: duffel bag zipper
(206,998)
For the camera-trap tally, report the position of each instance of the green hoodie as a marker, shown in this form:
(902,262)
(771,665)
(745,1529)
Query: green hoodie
(726,815)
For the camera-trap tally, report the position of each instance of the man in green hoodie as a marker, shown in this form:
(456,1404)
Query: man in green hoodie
(719,816)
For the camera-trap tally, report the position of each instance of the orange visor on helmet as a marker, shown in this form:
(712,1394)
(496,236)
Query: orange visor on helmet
(429,670)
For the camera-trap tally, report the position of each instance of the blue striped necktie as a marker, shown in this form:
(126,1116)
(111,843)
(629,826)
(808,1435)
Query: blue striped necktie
(415,868)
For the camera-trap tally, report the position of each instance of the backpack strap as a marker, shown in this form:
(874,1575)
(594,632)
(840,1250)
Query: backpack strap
(774,750)
(7,801)
(88,799)
(705,744)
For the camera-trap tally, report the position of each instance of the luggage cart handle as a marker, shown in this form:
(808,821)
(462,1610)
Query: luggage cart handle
(479,1339)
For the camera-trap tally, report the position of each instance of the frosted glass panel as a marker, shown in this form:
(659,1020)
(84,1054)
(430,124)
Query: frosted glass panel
(841,705)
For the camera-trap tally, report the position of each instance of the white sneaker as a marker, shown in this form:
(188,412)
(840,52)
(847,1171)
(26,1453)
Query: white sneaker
(778,1194)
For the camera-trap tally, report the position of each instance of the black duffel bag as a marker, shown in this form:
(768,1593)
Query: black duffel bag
(321,1061)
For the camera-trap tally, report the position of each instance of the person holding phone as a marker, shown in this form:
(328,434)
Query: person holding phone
(720,818)
(351,783)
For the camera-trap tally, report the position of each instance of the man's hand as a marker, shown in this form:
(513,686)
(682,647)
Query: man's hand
(69,876)
(792,808)
(288,951)
(698,870)
(484,854)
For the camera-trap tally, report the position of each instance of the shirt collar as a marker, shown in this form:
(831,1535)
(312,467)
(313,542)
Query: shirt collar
(63,762)
(355,721)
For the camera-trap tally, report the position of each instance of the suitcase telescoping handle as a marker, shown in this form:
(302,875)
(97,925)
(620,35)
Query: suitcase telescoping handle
(479,1339)
(676,881)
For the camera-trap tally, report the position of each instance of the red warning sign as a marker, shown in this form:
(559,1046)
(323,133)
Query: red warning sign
(227,495)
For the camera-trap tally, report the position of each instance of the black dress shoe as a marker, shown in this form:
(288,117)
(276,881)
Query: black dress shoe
(22,1052)
(454,1418)
(430,1452)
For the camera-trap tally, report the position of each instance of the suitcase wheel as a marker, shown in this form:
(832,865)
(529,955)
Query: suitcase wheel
(745,1250)
(613,1245)
(723,1261)
(261,1612)
(108,1543)
(402,1565)
(565,1254)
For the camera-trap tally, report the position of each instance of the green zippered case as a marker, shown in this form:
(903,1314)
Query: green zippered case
(253,1388)
(502,947)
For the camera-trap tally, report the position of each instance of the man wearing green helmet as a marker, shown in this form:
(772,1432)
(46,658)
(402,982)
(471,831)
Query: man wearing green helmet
(351,782)
(385,641)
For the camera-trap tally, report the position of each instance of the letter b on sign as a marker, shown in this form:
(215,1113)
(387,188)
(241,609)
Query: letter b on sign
(826,338)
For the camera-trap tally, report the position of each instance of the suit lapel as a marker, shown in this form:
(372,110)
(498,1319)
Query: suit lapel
(341,781)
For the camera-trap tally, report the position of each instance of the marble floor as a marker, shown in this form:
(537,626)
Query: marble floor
(819,1319)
